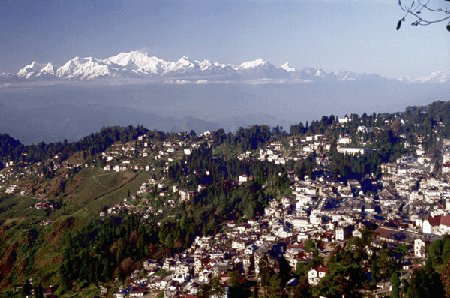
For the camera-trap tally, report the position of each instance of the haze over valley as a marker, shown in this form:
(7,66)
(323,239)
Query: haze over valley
(43,102)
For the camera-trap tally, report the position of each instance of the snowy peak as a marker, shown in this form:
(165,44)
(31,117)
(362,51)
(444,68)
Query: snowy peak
(260,69)
(136,62)
(29,70)
(314,72)
(48,69)
(287,68)
(185,61)
(141,65)
(35,69)
(258,63)
(68,68)
(206,65)
(83,68)
(435,77)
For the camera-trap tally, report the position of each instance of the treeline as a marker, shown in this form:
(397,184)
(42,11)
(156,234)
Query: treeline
(90,145)
(330,124)
(194,167)
(387,148)
(431,117)
(246,139)
(416,120)
(8,147)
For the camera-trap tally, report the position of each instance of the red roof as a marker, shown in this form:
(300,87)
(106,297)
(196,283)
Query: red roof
(434,221)
(445,220)
(384,232)
(322,269)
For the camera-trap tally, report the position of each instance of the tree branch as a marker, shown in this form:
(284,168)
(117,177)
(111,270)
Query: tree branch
(424,13)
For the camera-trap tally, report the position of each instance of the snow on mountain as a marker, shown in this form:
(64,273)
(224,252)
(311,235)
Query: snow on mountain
(47,70)
(287,68)
(435,77)
(37,70)
(83,68)
(183,66)
(260,69)
(138,64)
(346,75)
(29,70)
(68,68)
(206,65)
(215,69)
(310,74)
(258,63)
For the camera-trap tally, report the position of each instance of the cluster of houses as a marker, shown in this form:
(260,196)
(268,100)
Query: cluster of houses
(299,147)
(153,197)
(412,207)
(142,154)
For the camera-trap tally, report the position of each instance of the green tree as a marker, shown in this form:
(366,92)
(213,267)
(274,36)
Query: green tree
(375,272)
(405,286)
(425,283)
(265,271)
(302,289)
(386,263)
(446,249)
(395,282)
(275,286)
(310,246)
(341,280)
(216,289)
(445,278)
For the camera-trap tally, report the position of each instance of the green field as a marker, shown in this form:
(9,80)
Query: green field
(39,246)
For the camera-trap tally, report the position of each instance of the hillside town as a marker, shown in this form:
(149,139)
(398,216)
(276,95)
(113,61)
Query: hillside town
(412,208)
(405,207)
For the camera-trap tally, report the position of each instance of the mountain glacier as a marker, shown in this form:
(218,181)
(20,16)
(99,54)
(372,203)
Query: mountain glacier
(140,65)
(45,101)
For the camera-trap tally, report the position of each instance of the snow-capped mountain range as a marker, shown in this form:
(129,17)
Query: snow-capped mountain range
(138,64)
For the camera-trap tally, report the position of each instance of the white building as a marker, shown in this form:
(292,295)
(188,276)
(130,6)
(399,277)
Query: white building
(419,248)
(351,150)
(315,275)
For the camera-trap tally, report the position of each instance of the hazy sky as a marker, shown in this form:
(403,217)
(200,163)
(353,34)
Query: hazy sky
(356,35)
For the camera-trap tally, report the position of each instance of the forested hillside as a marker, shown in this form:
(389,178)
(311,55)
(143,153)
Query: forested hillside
(82,215)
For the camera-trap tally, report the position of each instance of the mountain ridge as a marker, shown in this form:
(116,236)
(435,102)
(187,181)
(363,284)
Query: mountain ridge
(141,65)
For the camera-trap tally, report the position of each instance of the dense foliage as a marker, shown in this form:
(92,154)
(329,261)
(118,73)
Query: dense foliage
(100,250)
(111,247)
(245,139)
(12,149)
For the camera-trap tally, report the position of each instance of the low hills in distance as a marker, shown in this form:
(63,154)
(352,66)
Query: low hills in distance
(45,102)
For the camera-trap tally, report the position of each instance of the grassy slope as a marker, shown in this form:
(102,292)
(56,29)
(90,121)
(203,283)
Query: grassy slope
(86,194)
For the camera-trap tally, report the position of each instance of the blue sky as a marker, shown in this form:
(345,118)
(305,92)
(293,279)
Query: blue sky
(356,35)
